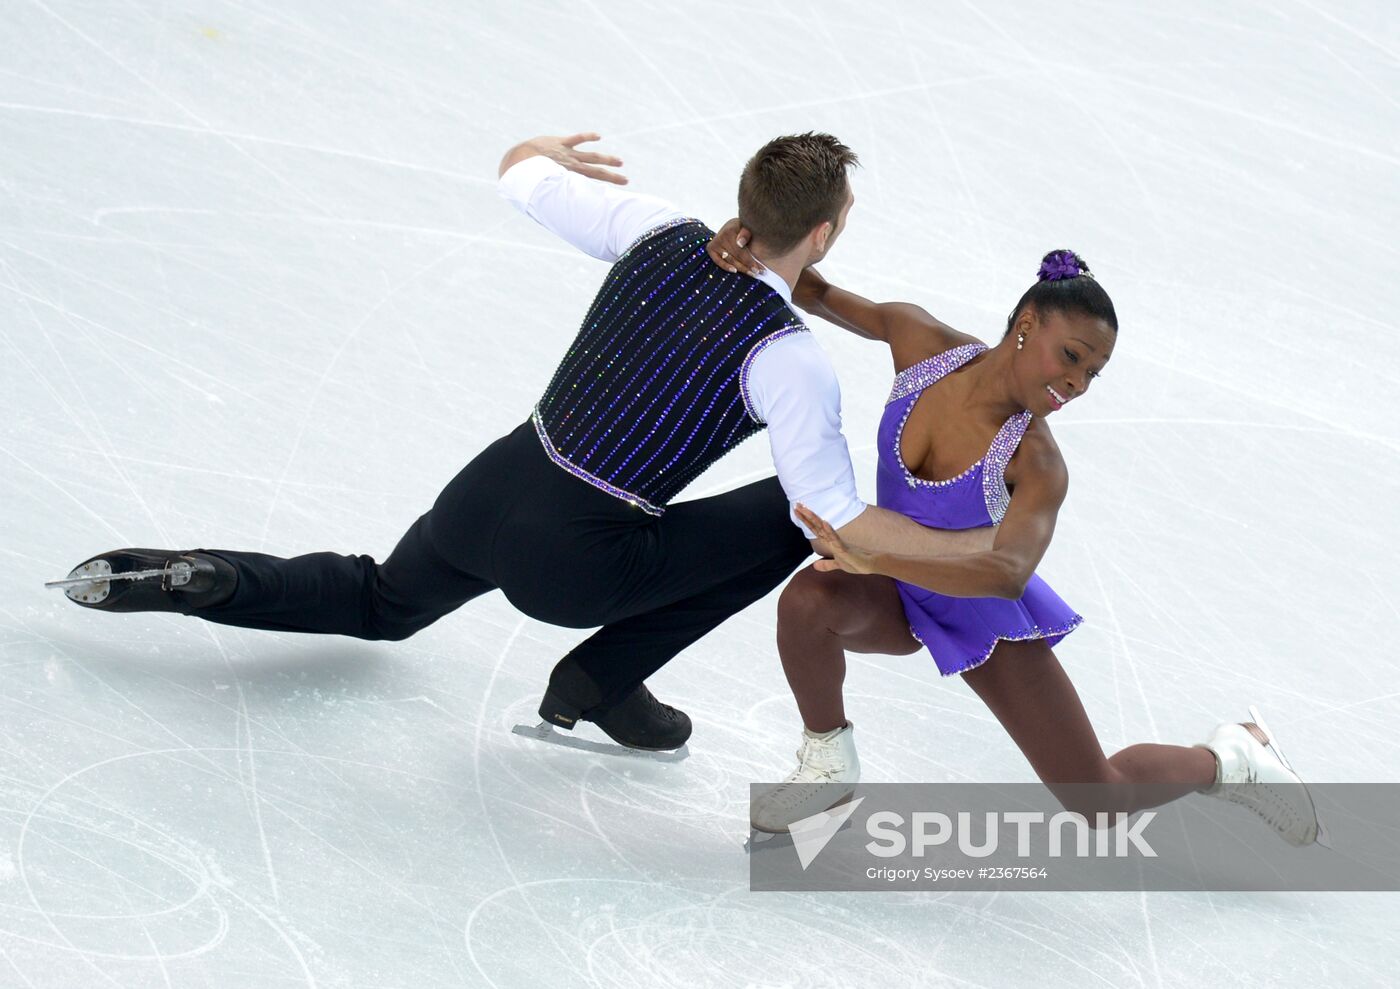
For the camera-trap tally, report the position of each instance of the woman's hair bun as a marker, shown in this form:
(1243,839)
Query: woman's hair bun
(1060,265)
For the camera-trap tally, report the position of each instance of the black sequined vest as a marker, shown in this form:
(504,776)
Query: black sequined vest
(654,388)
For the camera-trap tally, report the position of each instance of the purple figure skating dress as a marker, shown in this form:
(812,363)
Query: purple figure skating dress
(961,632)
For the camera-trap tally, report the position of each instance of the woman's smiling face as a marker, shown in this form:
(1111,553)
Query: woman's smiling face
(1063,353)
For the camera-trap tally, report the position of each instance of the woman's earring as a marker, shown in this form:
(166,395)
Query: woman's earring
(1021,341)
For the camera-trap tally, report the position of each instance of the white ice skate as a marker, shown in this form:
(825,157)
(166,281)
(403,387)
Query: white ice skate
(826,775)
(1251,770)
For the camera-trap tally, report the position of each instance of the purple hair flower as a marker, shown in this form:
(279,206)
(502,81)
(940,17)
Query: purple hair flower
(1059,265)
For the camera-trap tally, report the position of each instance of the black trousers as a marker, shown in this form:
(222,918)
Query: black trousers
(561,551)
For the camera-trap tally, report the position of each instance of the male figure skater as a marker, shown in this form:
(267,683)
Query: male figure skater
(677,362)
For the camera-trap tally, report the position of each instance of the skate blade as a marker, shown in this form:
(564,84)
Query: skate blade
(544,732)
(1322,837)
(759,840)
(88,584)
(92,582)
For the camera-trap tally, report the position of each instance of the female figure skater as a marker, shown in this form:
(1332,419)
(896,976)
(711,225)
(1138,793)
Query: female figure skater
(987,616)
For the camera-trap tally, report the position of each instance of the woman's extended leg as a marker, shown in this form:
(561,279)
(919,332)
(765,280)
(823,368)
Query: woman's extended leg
(822,616)
(1031,695)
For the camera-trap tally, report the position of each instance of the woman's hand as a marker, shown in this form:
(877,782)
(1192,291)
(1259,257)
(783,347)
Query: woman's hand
(729,249)
(847,558)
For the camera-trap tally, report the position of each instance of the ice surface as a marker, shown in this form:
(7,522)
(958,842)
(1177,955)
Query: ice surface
(256,291)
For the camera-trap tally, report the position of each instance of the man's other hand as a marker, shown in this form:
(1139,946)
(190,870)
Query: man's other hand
(564,150)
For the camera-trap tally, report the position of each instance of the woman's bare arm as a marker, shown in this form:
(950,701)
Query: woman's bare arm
(1001,572)
(845,309)
(910,331)
(881,530)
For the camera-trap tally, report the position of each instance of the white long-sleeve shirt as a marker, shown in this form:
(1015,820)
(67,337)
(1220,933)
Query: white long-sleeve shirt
(792,385)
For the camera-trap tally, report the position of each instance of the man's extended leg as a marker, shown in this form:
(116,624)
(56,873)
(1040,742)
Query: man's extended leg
(440,563)
(347,595)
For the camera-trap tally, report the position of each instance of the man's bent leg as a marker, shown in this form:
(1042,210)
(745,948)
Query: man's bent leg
(621,655)
(715,557)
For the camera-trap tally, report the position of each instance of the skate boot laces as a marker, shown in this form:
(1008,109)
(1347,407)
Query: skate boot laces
(819,761)
(827,772)
(1255,774)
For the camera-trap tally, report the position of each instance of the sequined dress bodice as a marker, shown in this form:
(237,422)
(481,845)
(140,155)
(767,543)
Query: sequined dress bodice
(976,497)
(653,389)
(961,633)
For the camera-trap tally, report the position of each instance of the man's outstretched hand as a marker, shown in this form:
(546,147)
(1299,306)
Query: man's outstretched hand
(564,150)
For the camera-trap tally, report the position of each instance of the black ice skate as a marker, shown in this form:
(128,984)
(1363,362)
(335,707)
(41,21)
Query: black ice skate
(150,580)
(639,723)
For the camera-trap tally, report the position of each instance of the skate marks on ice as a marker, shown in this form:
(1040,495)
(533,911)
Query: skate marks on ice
(170,897)
(691,930)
